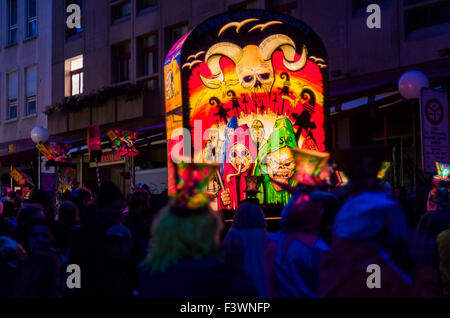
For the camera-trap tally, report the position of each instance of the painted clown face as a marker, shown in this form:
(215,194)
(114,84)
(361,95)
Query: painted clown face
(280,166)
(239,157)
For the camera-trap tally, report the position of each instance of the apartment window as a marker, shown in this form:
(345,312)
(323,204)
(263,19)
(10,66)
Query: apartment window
(121,62)
(76,76)
(172,35)
(146,5)
(30,88)
(11,8)
(12,88)
(147,55)
(30,18)
(74,32)
(120,11)
(431,13)
(150,84)
(282,6)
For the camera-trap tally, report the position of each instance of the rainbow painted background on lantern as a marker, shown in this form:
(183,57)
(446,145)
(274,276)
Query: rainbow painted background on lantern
(292,94)
(243,75)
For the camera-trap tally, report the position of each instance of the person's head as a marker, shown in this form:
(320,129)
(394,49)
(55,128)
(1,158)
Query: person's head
(371,216)
(443,245)
(365,174)
(10,251)
(180,232)
(110,204)
(11,196)
(41,197)
(9,209)
(249,216)
(29,214)
(119,243)
(81,196)
(139,203)
(303,213)
(68,214)
(38,237)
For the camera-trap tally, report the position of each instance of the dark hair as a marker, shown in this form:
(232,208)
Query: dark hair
(249,216)
(42,197)
(80,194)
(68,213)
(138,199)
(107,193)
(9,209)
(26,216)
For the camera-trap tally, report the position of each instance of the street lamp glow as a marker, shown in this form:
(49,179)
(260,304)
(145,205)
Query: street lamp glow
(39,134)
(411,83)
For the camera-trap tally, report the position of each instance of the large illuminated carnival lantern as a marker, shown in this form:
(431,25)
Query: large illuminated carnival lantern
(248,86)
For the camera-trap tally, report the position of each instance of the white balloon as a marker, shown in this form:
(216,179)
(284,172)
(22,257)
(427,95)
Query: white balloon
(39,134)
(411,83)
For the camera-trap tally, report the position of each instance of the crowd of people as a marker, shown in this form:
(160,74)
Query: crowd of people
(150,247)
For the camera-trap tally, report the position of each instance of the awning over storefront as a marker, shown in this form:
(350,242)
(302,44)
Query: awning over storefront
(17,151)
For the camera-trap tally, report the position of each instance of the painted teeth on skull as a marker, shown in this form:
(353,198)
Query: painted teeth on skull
(253,63)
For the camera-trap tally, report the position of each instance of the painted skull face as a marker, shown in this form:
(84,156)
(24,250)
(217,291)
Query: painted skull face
(280,166)
(254,73)
(239,157)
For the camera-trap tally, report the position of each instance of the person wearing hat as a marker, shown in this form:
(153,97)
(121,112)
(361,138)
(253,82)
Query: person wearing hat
(374,254)
(293,253)
(435,221)
(183,259)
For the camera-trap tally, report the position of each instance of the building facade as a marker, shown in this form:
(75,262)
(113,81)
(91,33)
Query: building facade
(25,81)
(118,50)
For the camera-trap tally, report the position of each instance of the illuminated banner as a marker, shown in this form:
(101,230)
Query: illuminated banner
(94,145)
(65,182)
(54,151)
(124,141)
(252,88)
(20,178)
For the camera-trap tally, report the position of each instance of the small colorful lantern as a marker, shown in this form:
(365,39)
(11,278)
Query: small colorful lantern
(384,169)
(193,179)
(443,171)
(342,179)
(312,167)
(124,141)
(252,184)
